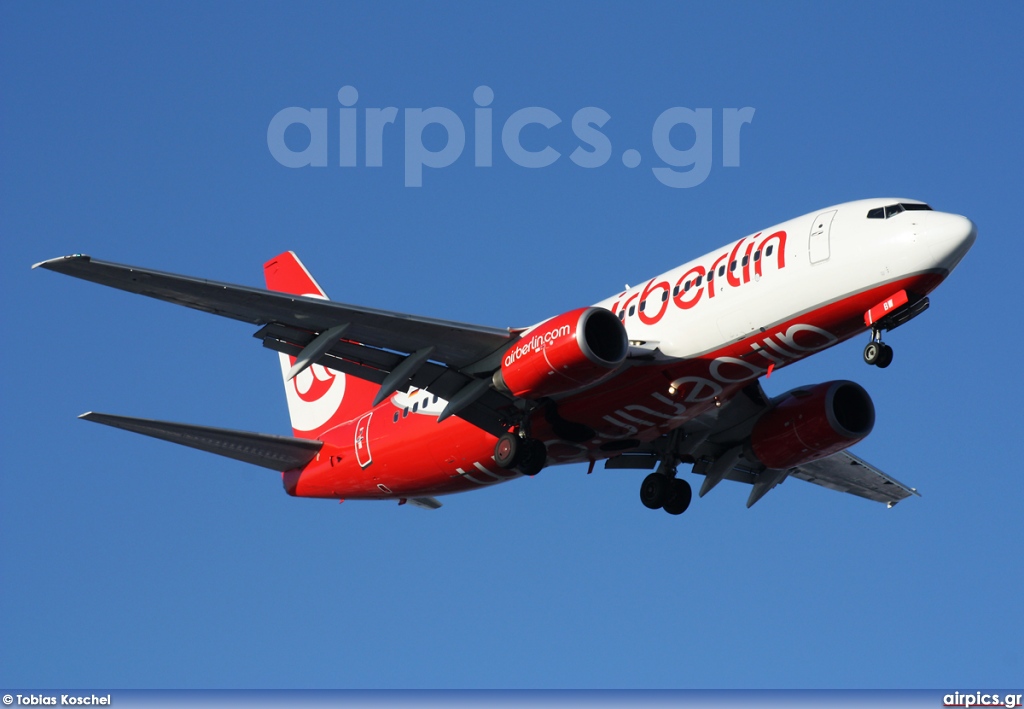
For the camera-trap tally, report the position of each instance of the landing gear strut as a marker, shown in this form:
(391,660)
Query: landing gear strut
(662,490)
(877,352)
(527,455)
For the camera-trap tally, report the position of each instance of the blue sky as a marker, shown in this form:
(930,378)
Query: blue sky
(138,134)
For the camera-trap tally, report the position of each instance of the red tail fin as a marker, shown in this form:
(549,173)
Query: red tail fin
(318,398)
(286,274)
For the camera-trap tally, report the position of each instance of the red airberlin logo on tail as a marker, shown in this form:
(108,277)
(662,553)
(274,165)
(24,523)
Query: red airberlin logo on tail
(314,395)
(313,387)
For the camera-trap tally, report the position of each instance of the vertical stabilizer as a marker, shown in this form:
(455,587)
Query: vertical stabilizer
(318,398)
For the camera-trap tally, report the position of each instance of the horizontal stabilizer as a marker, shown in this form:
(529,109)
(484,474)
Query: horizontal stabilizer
(275,452)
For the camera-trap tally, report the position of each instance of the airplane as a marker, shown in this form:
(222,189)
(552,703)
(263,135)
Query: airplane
(390,406)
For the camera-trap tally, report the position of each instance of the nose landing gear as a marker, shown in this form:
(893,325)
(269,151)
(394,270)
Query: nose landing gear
(899,308)
(877,352)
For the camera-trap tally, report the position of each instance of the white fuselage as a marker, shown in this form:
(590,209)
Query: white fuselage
(828,254)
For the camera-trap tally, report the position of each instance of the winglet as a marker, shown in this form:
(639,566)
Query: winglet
(892,503)
(50,264)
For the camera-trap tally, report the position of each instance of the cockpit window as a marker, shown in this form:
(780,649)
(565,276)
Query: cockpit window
(894,209)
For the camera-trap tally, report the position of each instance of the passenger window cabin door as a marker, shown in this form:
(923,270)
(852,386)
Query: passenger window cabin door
(818,246)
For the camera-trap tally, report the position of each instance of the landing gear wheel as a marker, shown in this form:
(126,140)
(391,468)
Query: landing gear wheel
(508,450)
(885,358)
(680,495)
(533,457)
(654,491)
(872,352)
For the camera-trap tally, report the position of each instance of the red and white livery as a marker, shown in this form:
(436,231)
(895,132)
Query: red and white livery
(385,405)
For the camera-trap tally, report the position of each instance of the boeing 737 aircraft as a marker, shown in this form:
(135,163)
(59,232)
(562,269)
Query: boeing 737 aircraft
(391,406)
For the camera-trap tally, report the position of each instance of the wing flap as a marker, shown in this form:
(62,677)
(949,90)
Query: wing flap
(490,412)
(275,452)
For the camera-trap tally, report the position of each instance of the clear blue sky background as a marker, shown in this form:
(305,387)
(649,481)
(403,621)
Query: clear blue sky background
(137,133)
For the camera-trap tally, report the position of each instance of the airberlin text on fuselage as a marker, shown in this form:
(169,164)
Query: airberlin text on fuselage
(690,286)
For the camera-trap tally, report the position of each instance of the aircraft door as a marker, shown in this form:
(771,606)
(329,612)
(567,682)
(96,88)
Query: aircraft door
(362,440)
(817,245)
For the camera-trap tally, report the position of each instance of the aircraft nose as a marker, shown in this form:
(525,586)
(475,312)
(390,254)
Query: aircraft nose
(950,237)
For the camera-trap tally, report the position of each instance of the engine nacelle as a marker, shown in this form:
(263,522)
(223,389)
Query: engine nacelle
(812,422)
(567,352)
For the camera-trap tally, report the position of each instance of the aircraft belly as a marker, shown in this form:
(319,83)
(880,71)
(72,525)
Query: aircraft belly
(377,457)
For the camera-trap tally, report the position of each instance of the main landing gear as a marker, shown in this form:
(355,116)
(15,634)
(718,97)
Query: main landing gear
(663,490)
(527,455)
(877,352)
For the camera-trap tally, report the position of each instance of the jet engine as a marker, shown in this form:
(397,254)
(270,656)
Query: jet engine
(812,422)
(564,353)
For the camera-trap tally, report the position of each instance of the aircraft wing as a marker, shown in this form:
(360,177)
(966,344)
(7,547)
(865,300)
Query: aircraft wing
(845,472)
(722,428)
(455,344)
(375,342)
